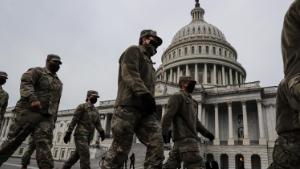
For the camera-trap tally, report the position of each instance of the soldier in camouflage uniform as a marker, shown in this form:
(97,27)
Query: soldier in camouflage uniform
(286,154)
(86,119)
(135,106)
(3,96)
(182,114)
(40,91)
(27,155)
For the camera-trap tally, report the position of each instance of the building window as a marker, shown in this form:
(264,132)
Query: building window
(214,50)
(225,53)
(55,153)
(21,151)
(193,49)
(207,49)
(185,50)
(174,54)
(62,154)
(220,51)
(209,30)
(193,30)
(61,124)
(179,52)
(200,49)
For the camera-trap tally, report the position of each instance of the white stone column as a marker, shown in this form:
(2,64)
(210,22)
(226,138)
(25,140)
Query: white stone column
(196,73)
(247,161)
(241,79)
(200,111)
(230,77)
(171,75)
(223,76)
(236,77)
(187,70)
(163,111)
(215,75)
(178,73)
(205,74)
(203,116)
(4,127)
(230,126)
(217,135)
(262,139)
(246,140)
(8,126)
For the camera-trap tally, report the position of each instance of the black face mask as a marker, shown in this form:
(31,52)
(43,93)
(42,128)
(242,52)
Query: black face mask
(151,49)
(2,81)
(53,67)
(190,87)
(93,100)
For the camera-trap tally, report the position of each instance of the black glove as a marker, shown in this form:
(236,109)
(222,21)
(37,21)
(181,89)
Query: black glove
(210,136)
(102,135)
(148,102)
(67,137)
(167,136)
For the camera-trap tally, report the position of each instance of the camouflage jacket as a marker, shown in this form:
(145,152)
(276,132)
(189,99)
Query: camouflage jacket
(182,114)
(291,40)
(136,76)
(3,103)
(86,119)
(40,84)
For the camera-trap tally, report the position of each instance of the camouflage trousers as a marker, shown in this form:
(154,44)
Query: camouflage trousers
(81,153)
(286,154)
(41,129)
(186,151)
(27,155)
(125,122)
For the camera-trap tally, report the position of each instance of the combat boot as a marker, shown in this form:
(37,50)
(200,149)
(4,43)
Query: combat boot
(24,167)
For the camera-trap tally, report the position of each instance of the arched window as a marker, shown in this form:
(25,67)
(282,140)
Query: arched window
(185,50)
(220,51)
(200,49)
(255,161)
(179,52)
(224,162)
(209,30)
(214,50)
(225,53)
(207,49)
(193,30)
(193,49)
(239,161)
(174,54)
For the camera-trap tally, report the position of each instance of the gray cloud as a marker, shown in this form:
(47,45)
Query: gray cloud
(91,35)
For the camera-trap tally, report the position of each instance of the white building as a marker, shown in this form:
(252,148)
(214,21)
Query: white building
(240,114)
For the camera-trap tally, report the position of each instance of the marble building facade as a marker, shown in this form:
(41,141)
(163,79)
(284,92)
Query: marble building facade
(241,114)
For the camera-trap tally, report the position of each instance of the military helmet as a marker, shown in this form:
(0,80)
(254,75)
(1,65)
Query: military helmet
(92,93)
(3,74)
(185,79)
(54,57)
(149,32)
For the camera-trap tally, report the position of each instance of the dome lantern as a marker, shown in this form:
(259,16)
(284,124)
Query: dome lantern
(198,12)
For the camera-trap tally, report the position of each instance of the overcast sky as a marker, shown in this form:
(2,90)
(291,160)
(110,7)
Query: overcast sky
(90,35)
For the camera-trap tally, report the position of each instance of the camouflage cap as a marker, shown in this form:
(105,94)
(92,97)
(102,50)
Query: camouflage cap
(54,57)
(184,79)
(92,93)
(3,74)
(149,32)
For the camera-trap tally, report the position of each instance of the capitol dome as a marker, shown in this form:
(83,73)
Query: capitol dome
(201,50)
